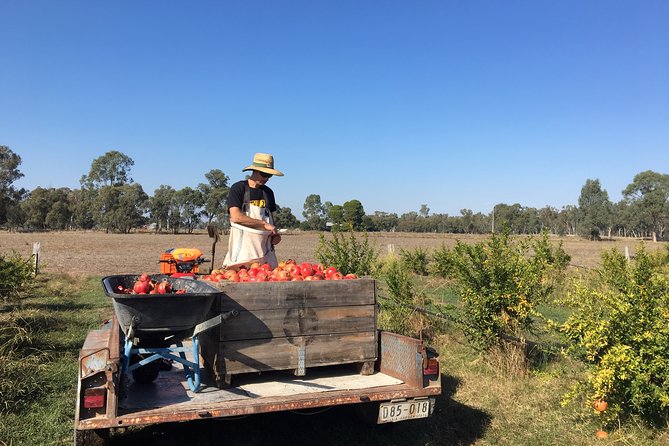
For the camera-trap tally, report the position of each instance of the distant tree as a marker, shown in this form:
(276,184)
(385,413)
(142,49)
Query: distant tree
(648,196)
(384,221)
(594,209)
(121,208)
(407,222)
(509,217)
(82,202)
(215,196)
(530,222)
(313,213)
(110,169)
(59,216)
(424,211)
(568,219)
(336,215)
(284,218)
(160,207)
(36,206)
(549,219)
(9,173)
(189,202)
(354,214)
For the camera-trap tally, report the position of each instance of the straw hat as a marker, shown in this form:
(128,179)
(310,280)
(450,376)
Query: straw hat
(264,163)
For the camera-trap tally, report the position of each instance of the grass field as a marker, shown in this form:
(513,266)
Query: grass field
(97,253)
(480,405)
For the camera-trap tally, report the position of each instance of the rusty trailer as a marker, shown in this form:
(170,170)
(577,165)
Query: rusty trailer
(401,384)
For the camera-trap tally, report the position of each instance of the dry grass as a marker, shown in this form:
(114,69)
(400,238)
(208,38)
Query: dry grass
(97,253)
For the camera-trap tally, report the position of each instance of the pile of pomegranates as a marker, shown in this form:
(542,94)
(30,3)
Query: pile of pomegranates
(286,271)
(146,285)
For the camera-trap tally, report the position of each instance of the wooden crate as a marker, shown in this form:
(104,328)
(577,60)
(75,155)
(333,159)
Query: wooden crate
(292,326)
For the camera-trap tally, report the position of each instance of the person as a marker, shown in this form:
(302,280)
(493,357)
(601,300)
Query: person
(251,203)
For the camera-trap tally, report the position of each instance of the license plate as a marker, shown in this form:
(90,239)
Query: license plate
(405,410)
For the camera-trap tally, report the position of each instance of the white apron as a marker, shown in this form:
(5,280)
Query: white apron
(247,245)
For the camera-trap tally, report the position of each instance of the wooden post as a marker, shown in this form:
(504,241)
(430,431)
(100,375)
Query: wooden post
(212,231)
(391,248)
(627,253)
(36,253)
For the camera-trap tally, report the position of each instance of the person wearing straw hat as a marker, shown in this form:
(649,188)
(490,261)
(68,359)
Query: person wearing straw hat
(251,204)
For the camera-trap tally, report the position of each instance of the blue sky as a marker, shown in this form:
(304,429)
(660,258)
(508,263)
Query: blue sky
(453,104)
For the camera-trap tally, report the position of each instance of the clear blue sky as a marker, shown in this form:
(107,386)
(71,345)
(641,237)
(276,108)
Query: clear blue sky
(453,104)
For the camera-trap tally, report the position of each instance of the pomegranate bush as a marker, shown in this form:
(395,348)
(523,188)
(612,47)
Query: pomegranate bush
(15,273)
(619,325)
(501,281)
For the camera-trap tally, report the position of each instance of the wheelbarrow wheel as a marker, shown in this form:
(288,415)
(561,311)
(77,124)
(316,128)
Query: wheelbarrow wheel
(146,374)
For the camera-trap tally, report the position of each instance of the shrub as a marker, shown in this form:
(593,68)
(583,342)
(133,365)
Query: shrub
(14,274)
(618,326)
(442,262)
(501,281)
(347,253)
(415,260)
(403,308)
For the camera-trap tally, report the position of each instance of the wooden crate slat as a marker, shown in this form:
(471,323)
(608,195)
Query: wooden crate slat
(283,353)
(299,321)
(264,295)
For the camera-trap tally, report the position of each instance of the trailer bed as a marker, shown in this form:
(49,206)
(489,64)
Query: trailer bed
(398,376)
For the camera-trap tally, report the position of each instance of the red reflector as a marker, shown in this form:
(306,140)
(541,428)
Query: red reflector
(94,398)
(432,367)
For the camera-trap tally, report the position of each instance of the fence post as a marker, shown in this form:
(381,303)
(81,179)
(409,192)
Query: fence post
(627,253)
(36,253)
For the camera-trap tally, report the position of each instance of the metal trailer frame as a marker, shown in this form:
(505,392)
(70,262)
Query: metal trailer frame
(101,364)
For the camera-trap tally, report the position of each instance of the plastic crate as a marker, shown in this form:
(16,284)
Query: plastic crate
(166,267)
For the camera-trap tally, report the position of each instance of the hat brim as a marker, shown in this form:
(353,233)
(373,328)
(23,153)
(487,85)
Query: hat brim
(263,169)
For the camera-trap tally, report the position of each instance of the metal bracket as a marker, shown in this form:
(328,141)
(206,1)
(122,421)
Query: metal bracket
(301,361)
(214,322)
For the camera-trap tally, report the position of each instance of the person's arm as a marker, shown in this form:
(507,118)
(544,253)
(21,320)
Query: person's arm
(240,218)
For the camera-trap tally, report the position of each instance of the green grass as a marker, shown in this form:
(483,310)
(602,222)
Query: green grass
(479,406)
(59,313)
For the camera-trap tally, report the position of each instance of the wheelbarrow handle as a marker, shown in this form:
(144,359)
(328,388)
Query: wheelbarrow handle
(214,321)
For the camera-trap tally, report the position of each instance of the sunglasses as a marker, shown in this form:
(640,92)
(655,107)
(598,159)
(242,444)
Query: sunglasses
(265,175)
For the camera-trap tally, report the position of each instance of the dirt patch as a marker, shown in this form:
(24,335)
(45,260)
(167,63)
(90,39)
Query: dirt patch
(97,253)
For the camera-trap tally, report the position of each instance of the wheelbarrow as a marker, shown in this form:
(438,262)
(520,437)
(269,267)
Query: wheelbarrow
(155,325)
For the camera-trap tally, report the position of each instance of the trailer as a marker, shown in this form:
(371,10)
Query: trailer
(260,348)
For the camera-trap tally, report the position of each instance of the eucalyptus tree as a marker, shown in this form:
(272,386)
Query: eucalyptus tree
(595,209)
(314,213)
(10,196)
(648,196)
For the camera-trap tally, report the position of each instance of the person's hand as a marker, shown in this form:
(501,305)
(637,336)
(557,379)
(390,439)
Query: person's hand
(269,227)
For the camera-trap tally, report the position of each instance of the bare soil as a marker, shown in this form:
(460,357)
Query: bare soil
(100,254)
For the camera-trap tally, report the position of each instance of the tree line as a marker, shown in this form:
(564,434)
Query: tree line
(110,200)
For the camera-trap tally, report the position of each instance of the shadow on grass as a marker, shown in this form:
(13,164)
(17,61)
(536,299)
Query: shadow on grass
(452,423)
(457,423)
(60,306)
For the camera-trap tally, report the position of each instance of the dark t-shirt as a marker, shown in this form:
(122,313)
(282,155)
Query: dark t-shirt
(236,196)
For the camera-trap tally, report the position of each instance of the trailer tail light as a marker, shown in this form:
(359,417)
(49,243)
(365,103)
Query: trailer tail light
(94,397)
(432,367)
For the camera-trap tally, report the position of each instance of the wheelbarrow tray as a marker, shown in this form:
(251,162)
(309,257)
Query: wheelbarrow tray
(156,317)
